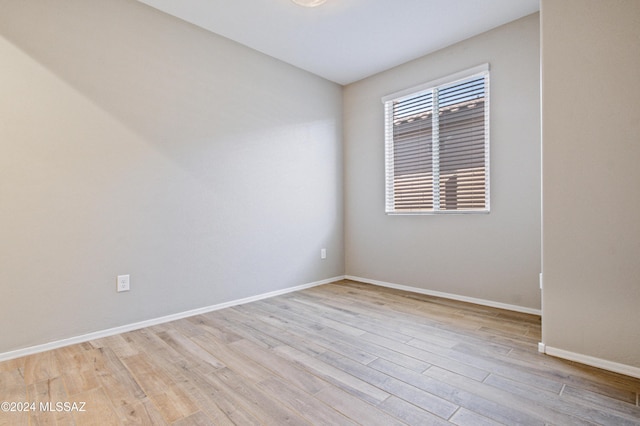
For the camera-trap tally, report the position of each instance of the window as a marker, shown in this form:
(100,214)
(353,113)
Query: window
(439,162)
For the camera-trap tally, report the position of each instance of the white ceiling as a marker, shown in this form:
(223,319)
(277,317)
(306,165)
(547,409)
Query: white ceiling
(347,40)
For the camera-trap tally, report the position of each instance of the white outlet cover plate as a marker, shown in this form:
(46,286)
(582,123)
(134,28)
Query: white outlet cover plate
(123,283)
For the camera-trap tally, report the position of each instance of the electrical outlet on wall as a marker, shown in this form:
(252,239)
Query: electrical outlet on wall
(123,283)
(540,280)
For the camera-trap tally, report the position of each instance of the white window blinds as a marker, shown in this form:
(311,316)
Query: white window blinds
(439,162)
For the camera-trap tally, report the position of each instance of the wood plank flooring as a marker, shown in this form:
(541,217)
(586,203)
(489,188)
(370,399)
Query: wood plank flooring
(339,354)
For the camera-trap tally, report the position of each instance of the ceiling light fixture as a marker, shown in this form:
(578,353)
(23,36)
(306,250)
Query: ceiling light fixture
(309,3)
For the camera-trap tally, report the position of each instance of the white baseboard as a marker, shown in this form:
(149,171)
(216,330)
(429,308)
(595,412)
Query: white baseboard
(615,367)
(560,353)
(155,321)
(483,302)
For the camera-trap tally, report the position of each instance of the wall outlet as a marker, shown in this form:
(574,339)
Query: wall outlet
(540,280)
(123,283)
(323,253)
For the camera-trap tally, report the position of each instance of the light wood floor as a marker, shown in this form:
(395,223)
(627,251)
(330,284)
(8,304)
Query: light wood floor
(338,354)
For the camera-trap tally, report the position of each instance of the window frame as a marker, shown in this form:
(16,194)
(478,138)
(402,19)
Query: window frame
(413,92)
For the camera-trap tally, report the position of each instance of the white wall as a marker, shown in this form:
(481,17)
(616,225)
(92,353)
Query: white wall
(493,256)
(132,142)
(591,173)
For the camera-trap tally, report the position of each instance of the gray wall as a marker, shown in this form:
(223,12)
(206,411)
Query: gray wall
(134,143)
(492,256)
(591,145)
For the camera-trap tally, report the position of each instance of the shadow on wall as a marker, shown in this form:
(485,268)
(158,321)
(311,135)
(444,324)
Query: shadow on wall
(215,109)
(168,81)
